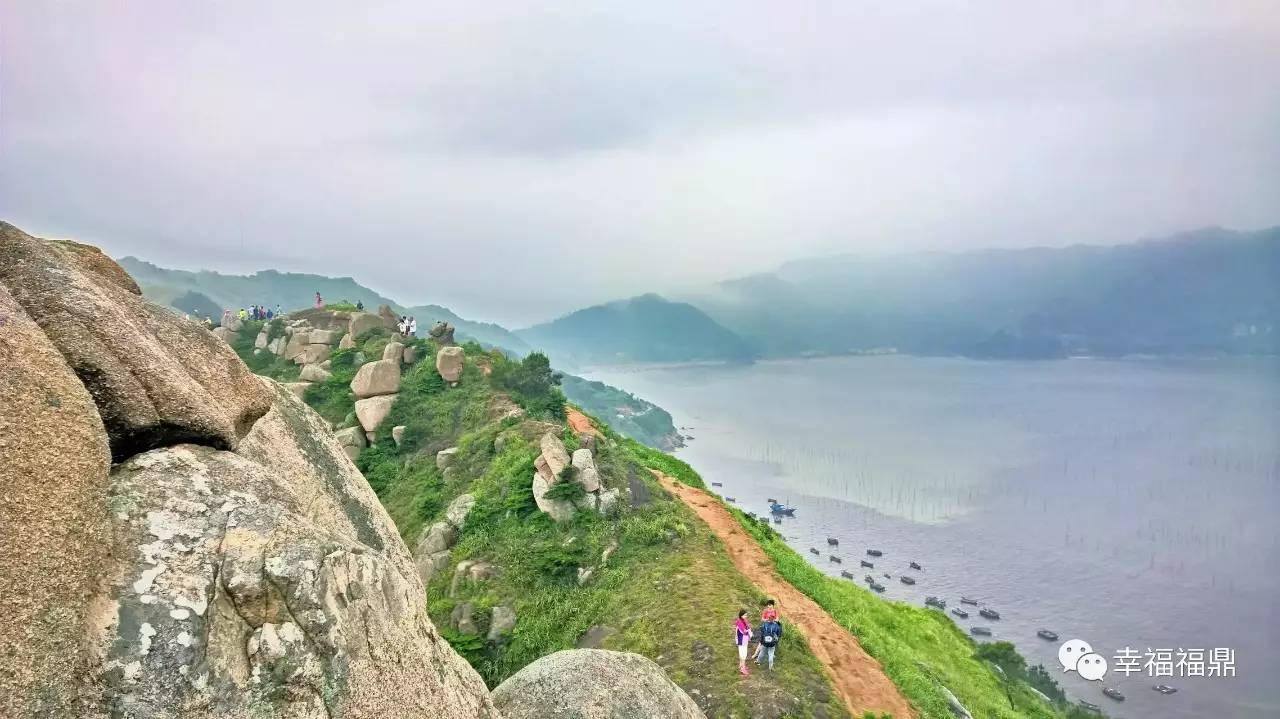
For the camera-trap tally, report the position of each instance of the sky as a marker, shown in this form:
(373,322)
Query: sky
(515,161)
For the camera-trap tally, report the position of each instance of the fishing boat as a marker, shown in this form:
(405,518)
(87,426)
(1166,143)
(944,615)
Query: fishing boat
(980,631)
(777,520)
(935,602)
(717,484)
(868,565)
(1047,635)
(1113,694)
(906,580)
(835,559)
(877,587)
(752,515)
(888,575)
(846,574)
(869,579)
(874,553)
(771,500)
(833,541)
(1090,706)
(960,613)
(731,499)
(966,600)
(782,509)
(1164,689)
(989,613)
(916,565)
(814,550)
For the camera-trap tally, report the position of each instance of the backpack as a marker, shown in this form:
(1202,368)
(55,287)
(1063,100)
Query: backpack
(769,634)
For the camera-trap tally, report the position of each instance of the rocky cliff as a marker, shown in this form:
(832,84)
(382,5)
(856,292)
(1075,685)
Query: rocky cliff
(179,537)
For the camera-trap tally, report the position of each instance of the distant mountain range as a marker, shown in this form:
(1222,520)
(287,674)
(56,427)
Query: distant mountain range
(1211,291)
(208,293)
(647,328)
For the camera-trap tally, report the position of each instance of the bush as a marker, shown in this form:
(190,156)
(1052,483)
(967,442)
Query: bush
(532,384)
(567,490)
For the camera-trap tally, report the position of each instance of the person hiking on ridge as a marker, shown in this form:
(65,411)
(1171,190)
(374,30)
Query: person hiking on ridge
(770,635)
(319,301)
(742,636)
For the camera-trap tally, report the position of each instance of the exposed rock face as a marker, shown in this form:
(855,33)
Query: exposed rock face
(588,477)
(457,511)
(410,355)
(472,571)
(299,389)
(346,342)
(375,378)
(313,373)
(397,434)
(224,334)
(622,686)
(502,621)
(442,332)
(372,411)
(449,363)
(296,345)
(555,454)
(559,510)
(313,354)
(315,610)
(387,316)
(362,322)
(189,579)
(54,460)
(324,337)
(157,379)
(260,342)
(393,352)
(352,441)
(432,552)
(445,457)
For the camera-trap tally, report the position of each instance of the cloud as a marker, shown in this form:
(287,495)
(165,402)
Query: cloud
(521,159)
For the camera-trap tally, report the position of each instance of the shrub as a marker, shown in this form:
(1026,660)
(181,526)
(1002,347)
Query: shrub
(532,384)
(569,491)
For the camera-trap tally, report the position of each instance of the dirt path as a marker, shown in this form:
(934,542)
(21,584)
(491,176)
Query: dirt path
(857,678)
(580,422)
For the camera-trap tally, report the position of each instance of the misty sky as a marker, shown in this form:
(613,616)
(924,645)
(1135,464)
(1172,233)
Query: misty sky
(515,161)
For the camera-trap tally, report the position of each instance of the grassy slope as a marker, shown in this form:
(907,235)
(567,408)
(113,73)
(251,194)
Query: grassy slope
(669,591)
(920,648)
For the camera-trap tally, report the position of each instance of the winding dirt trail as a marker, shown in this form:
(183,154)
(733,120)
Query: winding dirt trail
(857,678)
(580,422)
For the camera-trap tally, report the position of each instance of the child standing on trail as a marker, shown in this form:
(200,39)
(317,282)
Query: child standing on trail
(770,635)
(742,636)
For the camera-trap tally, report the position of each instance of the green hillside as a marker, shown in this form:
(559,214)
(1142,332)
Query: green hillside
(626,413)
(641,329)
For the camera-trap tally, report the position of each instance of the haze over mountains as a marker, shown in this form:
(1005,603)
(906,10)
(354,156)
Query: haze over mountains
(1212,291)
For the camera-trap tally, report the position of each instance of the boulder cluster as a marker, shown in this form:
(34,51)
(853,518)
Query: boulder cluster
(555,465)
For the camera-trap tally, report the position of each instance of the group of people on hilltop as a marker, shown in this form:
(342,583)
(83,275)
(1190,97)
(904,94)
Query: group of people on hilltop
(768,634)
(407,326)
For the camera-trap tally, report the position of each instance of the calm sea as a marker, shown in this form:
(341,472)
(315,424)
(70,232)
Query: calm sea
(1129,503)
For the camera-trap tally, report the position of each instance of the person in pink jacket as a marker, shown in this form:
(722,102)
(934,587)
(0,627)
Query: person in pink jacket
(742,636)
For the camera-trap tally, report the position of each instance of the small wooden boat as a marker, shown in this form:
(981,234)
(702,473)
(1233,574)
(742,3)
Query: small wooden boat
(783,510)
(877,587)
(717,484)
(874,553)
(1164,689)
(906,580)
(989,613)
(814,550)
(846,574)
(731,499)
(869,579)
(1090,706)
(833,541)
(868,565)
(888,575)
(916,565)
(960,613)
(777,520)
(835,559)
(967,600)
(980,631)
(1047,635)
(752,515)
(935,602)
(1113,694)
(771,500)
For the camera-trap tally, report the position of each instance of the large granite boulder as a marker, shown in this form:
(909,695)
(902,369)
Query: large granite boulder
(585,463)
(373,410)
(156,378)
(560,510)
(501,622)
(393,351)
(54,524)
(296,345)
(445,457)
(457,511)
(313,354)
(376,378)
(352,440)
(362,322)
(555,454)
(593,684)
(314,373)
(442,332)
(449,362)
(325,337)
(346,342)
(224,334)
(313,607)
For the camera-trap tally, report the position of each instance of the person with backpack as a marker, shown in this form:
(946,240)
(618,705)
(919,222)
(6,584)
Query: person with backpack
(742,637)
(770,635)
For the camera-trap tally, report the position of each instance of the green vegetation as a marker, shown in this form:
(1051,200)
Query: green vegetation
(626,413)
(649,578)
